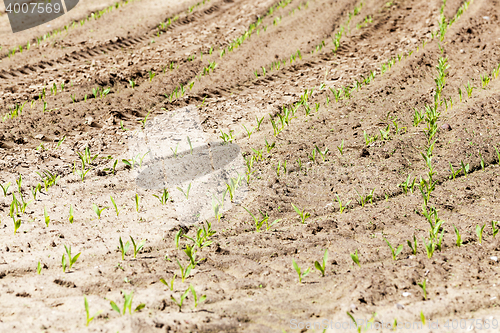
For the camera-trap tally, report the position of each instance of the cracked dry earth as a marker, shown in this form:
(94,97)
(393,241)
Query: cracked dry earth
(318,159)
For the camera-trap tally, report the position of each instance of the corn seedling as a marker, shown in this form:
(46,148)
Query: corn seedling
(178,237)
(17,224)
(137,202)
(181,301)
(184,271)
(321,267)
(114,205)
(227,137)
(384,134)
(369,139)
(121,126)
(429,247)
(413,246)
(123,248)
(249,133)
(191,253)
(453,172)
(46,216)
(48,179)
(459,237)
(479,232)
(258,222)
(394,252)
(469,89)
(59,143)
(151,76)
(71,260)
(302,214)
(465,168)
(259,122)
(299,271)
(358,328)
(407,185)
(202,236)
(269,147)
(5,188)
(485,80)
(132,83)
(494,228)
(143,121)
(355,257)
(39,268)
(364,199)
(127,304)
(71,217)
(195,297)
(186,193)
(423,285)
(88,318)
(342,207)
(98,210)
(35,190)
(164,197)
(137,247)
(171,284)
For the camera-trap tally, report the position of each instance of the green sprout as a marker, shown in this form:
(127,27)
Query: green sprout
(71,217)
(342,207)
(114,205)
(71,260)
(88,318)
(98,210)
(423,285)
(127,304)
(5,188)
(195,297)
(46,216)
(494,228)
(186,193)
(459,238)
(17,224)
(302,214)
(479,232)
(137,202)
(299,271)
(413,246)
(355,257)
(321,267)
(181,301)
(137,247)
(164,197)
(184,270)
(123,248)
(171,285)
(394,252)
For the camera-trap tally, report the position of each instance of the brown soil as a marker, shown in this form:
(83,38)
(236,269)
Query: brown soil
(246,275)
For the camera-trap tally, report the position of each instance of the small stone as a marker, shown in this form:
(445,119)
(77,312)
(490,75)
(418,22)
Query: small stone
(406,294)
(400,306)
(364,153)
(446,127)
(494,258)
(39,136)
